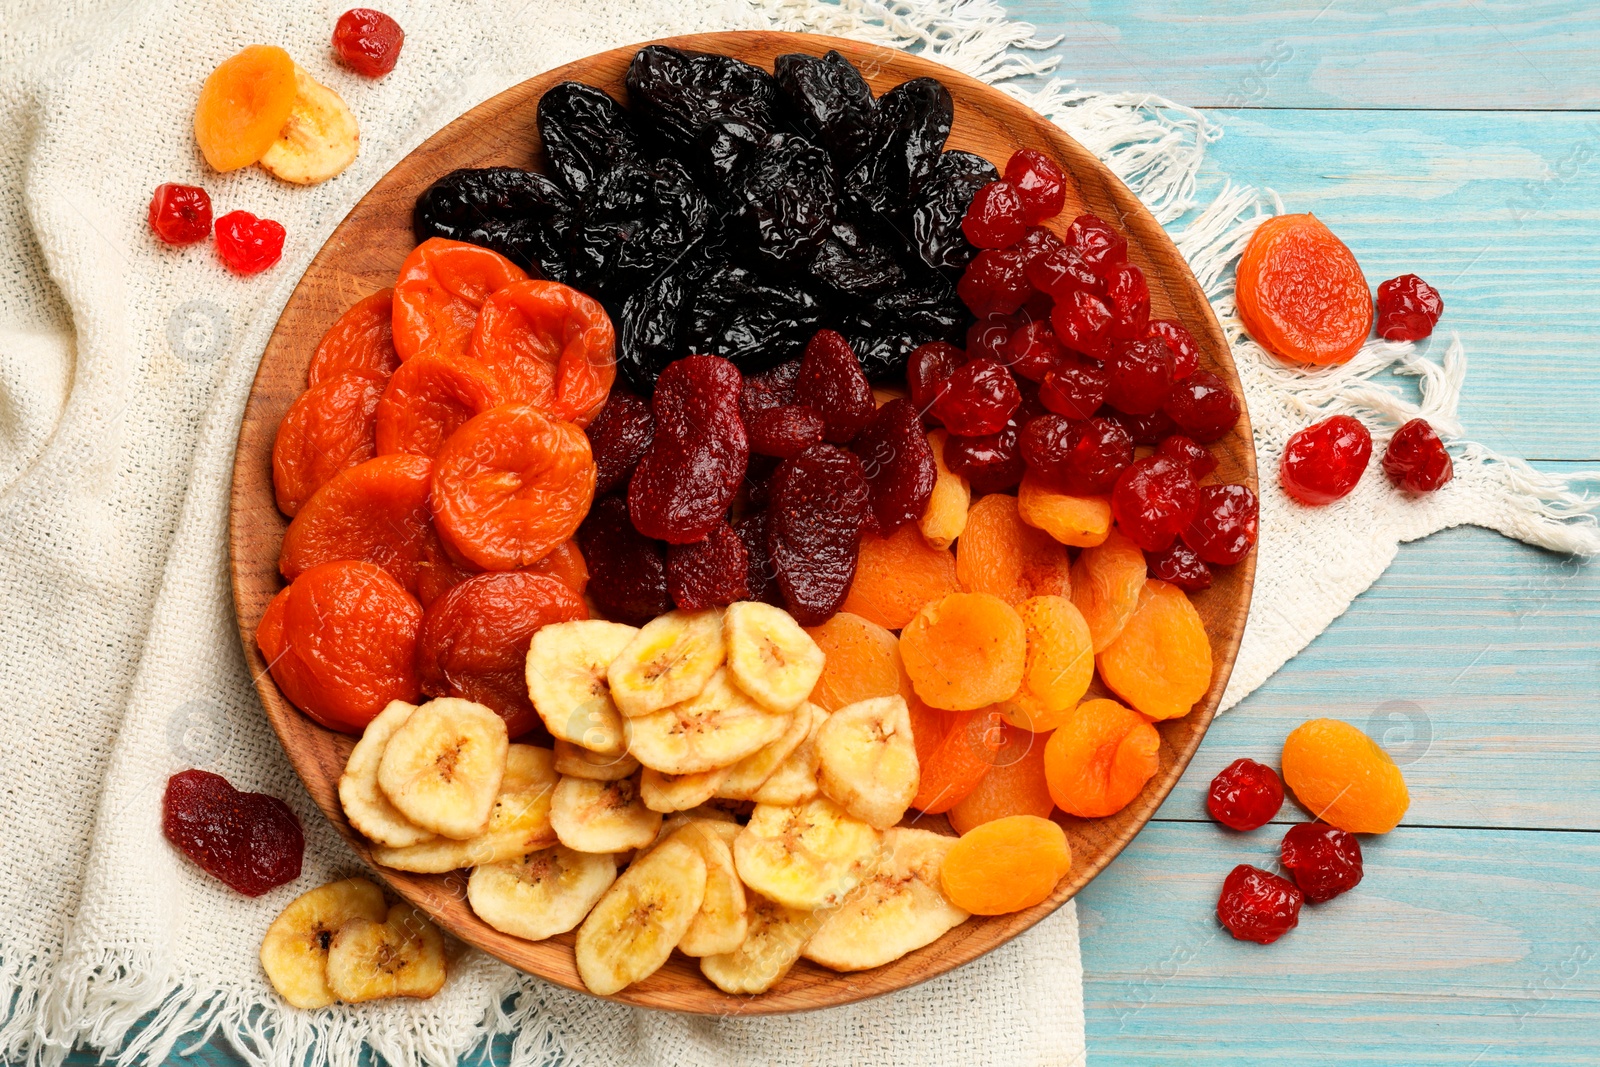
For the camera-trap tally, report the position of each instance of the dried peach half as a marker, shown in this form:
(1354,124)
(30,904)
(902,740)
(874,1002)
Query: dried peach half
(1099,758)
(1059,667)
(1344,778)
(898,574)
(1106,582)
(965,651)
(1161,662)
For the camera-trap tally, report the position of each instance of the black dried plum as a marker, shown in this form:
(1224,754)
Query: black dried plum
(723,147)
(678,94)
(639,219)
(909,131)
(851,260)
(941,204)
(828,99)
(649,328)
(521,214)
(585,133)
(753,323)
(887,328)
(786,197)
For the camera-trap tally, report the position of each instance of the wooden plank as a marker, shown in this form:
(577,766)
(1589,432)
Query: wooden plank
(1485,54)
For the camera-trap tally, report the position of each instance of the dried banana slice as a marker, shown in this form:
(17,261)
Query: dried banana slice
(403,956)
(679,792)
(519,822)
(595,816)
(442,767)
(717,727)
(897,908)
(770,656)
(368,810)
(772,942)
(668,661)
(320,139)
(579,762)
(808,856)
(633,929)
(795,780)
(750,773)
(294,952)
(720,925)
(566,672)
(868,762)
(542,894)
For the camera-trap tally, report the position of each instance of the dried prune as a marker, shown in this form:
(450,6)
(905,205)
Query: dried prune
(898,463)
(784,431)
(828,98)
(909,131)
(251,842)
(819,502)
(885,331)
(679,94)
(756,324)
(942,202)
(639,219)
(687,479)
(619,437)
(853,261)
(760,581)
(786,196)
(721,151)
(832,384)
(627,571)
(585,133)
(521,214)
(650,329)
(709,573)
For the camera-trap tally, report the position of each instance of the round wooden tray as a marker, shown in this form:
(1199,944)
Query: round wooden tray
(364,254)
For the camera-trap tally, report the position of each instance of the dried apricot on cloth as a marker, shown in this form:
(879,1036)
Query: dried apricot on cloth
(511,485)
(965,651)
(896,575)
(552,346)
(1161,662)
(1106,582)
(376,511)
(1059,668)
(1006,865)
(1099,758)
(861,660)
(998,553)
(251,842)
(243,105)
(442,285)
(428,399)
(329,427)
(1301,293)
(1015,785)
(1344,778)
(361,341)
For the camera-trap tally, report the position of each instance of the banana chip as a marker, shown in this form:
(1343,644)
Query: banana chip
(868,762)
(717,727)
(805,857)
(542,894)
(403,956)
(770,656)
(442,767)
(294,952)
(720,925)
(595,816)
(635,926)
(668,661)
(368,810)
(752,772)
(579,762)
(772,942)
(678,792)
(320,139)
(795,780)
(566,674)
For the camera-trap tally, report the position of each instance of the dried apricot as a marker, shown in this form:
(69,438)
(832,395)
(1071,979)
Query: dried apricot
(1099,758)
(441,287)
(552,346)
(1161,662)
(1006,865)
(928,727)
(1000,554)
(896,575)
(966,752)
(1301,293)
(946,514)
(565,562)
(360,342)
(1060,664)
(429,398)
(861,661)
(965,651)
(329,427)
(1015,785)
(376,512)
(243,105)
(1106,582)
(1344,778)
(1080,521)
(511,485)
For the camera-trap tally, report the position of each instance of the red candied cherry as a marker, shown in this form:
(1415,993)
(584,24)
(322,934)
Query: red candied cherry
(927,369)
(1033,351)
(1408,308)
(1323,860)
(1102,248)
(1416,460)
(1075,388)
(1203,406)
(978,399)
(1139,376)
(991,463)
(1179,447)
(1245,795)
(1037,242)
(1148,429)
(1224,525)
(1082,322)
(1323,462)
(996,217)
(1039,182)
(180,214)
(1154,500)
(368,41)
(1185,351)
(986,338)
(1084,458)
(1179,565)
(1257,905)
(1128,294)
(995,282)
(1060,271)
(247,244)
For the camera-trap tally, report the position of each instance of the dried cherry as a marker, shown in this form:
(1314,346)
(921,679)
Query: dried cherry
(1185,351)
(180,214)
(995,218)
(1323,860)
(627,571)
(1139,376)
(1076,388)
(832,384)
(1257,905)
(992,463)
(368,41)
(1203,406)
(251,842)
(1039,183)
(1179,565)
(1128,295)
(1408,308)
(709,573)
(995,282)
(928,371)
(1245,795)
(249,245)
(619,437)
(1061,271)
(1153,501)
(1224,525)
(1083,322)
(1324,461)
(1184,449)
(819,503)
(1416,460)
(1149,429)
(687,479)
(1101,248)
(1082,458)
(979,398)
(1033,351)
(898,464)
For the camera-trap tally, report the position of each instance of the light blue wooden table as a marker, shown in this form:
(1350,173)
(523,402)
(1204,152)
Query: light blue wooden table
(1459,139)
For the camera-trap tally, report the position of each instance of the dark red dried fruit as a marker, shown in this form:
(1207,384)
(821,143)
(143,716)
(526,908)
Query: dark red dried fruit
(1200,461)
(1084,458)
(251,842)
(1102,248)
(995,282)
(1180,565)
(368,41)
(987,338)
(180,214)
(1032,351)
(1408,308)
(1061,271)
(619,437)
(627,571)
(1128,295)
(1324,461)
(996,217)
(1185,351)
(1039,183)
(1075,388)
(709,573)
(1149,429)
(991,463)
(784,432)
(688,477)
(927,369)
(1037,242)
(1203,406)
(979,398)
(1416,460)
(833,385)
(761,582)
(771,388)
(1082,322)
(1258,906)
(1245,795)
(1154,500)
(1139,376)
(1224,525)
(898,464)
(819,503)
(1323,860)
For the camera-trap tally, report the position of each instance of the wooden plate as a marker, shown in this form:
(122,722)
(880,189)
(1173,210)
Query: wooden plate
(364,254)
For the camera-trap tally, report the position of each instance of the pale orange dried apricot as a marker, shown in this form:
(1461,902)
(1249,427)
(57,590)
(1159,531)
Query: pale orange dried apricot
(965,651)
(946,514)
(1015,785)
(1006,865)
(1000,554)
(1106,582)
(1099,758)
(1344,778)
(1081,521)
(898,574)
(928,725)
(243,105)
(1060,664)
(1161,662)
(861,660)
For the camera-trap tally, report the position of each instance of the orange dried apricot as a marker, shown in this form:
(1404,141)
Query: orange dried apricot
(429,398)
(965,651)
(376,512)
(1006,865)
(441,287)
(511,485)
(928,727)
(1301,293)
(963,756)
(946,514)
(1000,554)
(1106,582)
(1015,785)
(329,428)
(243,105)
(896,575)
(1099,758)
(1081,521)
(1161,662)
(861,660)
(1344,778)
(1059,667)
(552,346)
(360,342)
(565,562)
